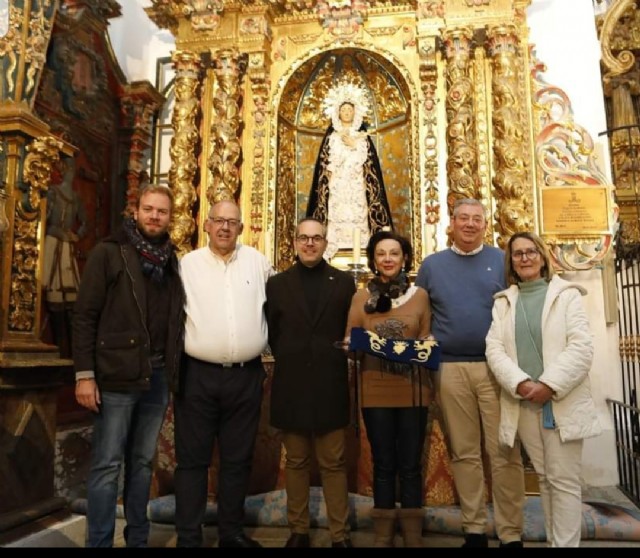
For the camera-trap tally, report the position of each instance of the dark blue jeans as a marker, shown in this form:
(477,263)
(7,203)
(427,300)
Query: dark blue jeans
(125,430)
(396,436)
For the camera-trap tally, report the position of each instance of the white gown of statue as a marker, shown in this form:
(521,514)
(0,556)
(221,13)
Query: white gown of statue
(347,192)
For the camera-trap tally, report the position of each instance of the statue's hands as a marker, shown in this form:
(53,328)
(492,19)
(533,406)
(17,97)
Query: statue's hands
(348,140)
(88,394)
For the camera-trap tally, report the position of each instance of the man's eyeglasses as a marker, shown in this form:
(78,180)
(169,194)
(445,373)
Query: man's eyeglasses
(220,222)
(304,238)
(531,254)
(477,220)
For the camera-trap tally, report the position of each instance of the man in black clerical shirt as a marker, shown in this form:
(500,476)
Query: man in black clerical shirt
(307,307)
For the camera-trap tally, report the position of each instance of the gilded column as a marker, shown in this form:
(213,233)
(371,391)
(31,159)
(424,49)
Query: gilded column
(225,148)
(429,85)
(511,188)
(183,149)
(625,151)
(462,161)
(23,242)
(260,90)
(285,214)
(140,103)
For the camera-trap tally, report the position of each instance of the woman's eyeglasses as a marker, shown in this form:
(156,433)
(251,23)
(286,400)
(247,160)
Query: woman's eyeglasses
(530,253)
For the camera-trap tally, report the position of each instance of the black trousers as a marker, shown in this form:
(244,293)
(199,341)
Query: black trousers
(223,404)
(396,436)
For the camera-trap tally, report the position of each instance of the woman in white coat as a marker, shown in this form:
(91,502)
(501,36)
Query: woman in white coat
(540,349)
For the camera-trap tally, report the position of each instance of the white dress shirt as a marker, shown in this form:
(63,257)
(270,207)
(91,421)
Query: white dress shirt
(225,304)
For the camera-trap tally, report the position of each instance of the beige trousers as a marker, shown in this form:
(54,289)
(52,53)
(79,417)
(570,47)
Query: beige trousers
(469,397)
(330,452)
(558,466)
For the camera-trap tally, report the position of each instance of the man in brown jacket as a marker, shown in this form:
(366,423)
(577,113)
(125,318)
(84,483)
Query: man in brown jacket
(307,307)
(127,341)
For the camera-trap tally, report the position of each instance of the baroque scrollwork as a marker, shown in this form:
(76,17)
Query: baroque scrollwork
(24,267)
(41,155)
(35,51)
(184,161)
(428,83)
(625,59)
(166,13)
(342,19)
(482,108)
(564,154)
(285,210)
(514,208)
(9,48)
(260,89)
(462,160)
(204,15)
(229,67)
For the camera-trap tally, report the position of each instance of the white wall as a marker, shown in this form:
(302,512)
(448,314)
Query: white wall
(600,466)
(566,41)
(138,42)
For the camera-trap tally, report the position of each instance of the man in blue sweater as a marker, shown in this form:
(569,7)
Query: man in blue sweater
(461,282)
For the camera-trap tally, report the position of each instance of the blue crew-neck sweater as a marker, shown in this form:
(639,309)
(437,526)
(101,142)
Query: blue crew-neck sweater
(461,290)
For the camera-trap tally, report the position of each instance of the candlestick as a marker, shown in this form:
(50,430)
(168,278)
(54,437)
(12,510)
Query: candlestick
(356,245)
(358,272)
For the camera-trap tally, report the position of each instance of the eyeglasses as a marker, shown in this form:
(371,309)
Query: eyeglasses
(477,220)
(220,222)
(531,254)
(315,239)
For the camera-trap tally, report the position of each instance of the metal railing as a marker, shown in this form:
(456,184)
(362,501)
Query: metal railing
(626,420)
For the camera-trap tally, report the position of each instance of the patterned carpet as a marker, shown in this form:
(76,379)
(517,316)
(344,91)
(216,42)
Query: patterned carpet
(600,521)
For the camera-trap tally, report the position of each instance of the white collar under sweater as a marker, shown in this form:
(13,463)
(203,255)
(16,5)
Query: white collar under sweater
(461,252)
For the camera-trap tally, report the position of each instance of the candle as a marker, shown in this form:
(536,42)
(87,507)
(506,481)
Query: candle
(267,247)
(356,245)
(428,238)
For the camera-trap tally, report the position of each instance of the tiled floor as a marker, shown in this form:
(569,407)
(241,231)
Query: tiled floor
(68,531)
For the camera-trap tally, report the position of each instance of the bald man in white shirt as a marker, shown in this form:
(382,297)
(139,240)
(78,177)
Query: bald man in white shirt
(221,394)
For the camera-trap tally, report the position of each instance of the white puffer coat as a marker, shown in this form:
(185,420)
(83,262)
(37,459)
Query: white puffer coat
(567,351)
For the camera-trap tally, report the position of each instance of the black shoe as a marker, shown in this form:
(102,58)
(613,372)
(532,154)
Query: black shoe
(346,543)
(239,541)
(512,544)
(475,540)
(298,540)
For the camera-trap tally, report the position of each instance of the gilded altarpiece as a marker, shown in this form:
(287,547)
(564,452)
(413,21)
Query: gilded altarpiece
(459,110)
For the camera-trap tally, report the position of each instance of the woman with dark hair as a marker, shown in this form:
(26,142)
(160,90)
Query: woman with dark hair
(394,395)
(540,349)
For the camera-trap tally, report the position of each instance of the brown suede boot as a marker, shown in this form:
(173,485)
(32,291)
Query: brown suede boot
(411,522)
(384,526)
